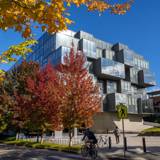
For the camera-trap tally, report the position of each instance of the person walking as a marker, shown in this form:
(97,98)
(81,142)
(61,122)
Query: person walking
(117,134)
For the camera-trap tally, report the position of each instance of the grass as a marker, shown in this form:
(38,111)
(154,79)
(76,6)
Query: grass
(155,131)
(45,145)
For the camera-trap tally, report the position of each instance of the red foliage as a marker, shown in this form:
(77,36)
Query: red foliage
(80,98)
(43,103)
(65,96)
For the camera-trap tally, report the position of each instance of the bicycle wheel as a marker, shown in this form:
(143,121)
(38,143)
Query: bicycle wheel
(84,151)
(93,153)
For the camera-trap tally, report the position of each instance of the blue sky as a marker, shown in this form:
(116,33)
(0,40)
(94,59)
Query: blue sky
(139,29)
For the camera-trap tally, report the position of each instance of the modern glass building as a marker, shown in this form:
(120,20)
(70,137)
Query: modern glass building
(122,74)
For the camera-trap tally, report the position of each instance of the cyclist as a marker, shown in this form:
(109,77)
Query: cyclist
(89,136)
(90,147)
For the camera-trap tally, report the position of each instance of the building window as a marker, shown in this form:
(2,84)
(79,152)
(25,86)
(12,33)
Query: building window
(110,54)
(111,87)
(99,52)
(102,85)
(89,48)
(90,66)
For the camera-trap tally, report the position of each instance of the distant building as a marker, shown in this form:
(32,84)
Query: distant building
(155,96)
(122,74)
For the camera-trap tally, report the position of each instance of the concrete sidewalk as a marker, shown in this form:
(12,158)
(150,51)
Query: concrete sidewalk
(135,153)
(9,152)
(134,148)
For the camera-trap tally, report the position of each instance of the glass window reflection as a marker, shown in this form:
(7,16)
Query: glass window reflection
(112,68)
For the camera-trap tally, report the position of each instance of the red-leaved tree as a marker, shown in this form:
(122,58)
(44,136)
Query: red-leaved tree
(41,107)
(78,96)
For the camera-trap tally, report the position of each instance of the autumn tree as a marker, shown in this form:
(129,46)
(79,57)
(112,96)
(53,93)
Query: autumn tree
(42,109)
(15,83)
(11,54)
(52,15)
(79,97)
(5,115)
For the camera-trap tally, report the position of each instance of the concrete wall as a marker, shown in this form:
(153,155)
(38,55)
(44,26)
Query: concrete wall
(106,120)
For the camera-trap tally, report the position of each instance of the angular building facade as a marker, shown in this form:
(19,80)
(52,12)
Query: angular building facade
(122,74)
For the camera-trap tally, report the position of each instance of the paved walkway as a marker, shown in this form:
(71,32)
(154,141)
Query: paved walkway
(8,152)
(134,149)
(135,152)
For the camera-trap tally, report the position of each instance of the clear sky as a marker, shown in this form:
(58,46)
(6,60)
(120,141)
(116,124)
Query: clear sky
(139,29)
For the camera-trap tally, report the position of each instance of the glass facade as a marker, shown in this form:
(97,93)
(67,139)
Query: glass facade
(134,75)
(102,85)
(121,98)
(111,86)
(121,74)
(65,41)
(58,55)
(112,68)
(125,87)
(128,57)
(109,54)
(89,48)
(132,104)
(149,77)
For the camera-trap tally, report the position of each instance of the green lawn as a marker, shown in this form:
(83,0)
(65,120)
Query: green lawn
(45,145)
(155,131)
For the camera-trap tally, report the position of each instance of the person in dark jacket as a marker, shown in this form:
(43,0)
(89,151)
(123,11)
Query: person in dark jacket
(89,136)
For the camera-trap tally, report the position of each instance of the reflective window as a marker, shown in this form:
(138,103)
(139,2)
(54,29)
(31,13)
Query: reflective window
(141,63)
(125,86)
(58,55)
(149,77)
(111,87)
(99,52)
(132,104)
(134,75)
(102,85)
(89,65)
(128,57)
(110,54)
(89,48)
(133,89)
(121,98)
(66,41)
(112,68)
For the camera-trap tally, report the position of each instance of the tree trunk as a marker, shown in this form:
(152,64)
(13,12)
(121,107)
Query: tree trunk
(37,137)
(41,138)
(70,137)
(17,136)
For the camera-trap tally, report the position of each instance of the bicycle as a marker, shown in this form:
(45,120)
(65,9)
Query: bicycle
(89,149)
(102,141)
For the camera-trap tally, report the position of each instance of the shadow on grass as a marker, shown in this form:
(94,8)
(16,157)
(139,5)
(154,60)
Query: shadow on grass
(10,152)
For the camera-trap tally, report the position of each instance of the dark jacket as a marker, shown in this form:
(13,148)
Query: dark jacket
(90,136)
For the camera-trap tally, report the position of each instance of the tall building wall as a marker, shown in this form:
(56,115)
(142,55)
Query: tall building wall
(122,74)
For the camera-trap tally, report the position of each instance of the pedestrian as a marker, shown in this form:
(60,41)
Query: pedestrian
(117,134)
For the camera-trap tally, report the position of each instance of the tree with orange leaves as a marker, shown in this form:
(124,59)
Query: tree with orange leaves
(79,97)
(43,111)
(50,15)
(39,107)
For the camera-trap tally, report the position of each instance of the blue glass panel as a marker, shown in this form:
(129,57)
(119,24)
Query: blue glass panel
(134,75)
(89,48)
(149,77)
(121,98)
(128,57)
(111,87)
(112,68)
